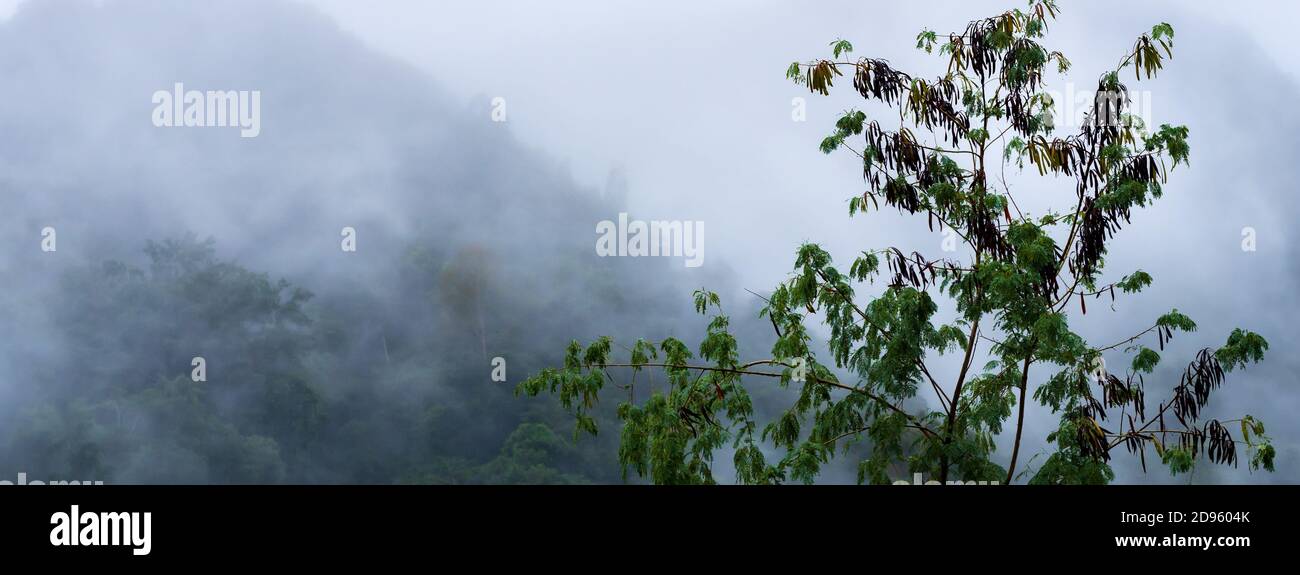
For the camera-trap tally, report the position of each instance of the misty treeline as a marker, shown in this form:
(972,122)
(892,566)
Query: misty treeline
(297,390)
(344,388)
(322,366)
(375,366)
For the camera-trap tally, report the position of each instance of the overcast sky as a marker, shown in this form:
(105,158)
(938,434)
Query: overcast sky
(689,100)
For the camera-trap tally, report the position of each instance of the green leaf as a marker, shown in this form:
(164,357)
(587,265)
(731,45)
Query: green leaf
(840,46)
(1146,360)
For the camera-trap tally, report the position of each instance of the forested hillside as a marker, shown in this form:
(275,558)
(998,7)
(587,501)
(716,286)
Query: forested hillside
(371,366)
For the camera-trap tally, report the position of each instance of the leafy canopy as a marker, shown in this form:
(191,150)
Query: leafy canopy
(1013,294)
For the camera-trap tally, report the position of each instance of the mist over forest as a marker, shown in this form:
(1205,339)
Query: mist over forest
(374,366)
(323,366)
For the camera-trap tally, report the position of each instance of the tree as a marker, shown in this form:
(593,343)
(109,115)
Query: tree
(466,282)
(1012,297)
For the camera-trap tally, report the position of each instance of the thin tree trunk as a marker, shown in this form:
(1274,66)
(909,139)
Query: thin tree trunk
(1020,420)
(956,400)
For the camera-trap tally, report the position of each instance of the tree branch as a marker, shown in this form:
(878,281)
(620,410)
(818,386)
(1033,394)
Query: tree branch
(744,370)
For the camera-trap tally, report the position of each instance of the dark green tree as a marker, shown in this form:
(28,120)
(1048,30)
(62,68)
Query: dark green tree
(1012,297)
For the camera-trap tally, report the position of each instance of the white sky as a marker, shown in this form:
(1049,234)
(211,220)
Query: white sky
(689,97)
(600,84)
(605,83)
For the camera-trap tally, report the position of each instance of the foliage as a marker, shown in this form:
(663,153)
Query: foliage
(1013,296)
(298,390)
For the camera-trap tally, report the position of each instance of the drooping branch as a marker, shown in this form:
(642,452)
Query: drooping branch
(743,370)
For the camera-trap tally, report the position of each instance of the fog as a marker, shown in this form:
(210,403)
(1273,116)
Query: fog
(473,148)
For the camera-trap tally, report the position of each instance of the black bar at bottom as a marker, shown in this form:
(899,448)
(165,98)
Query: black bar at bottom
(311,524)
